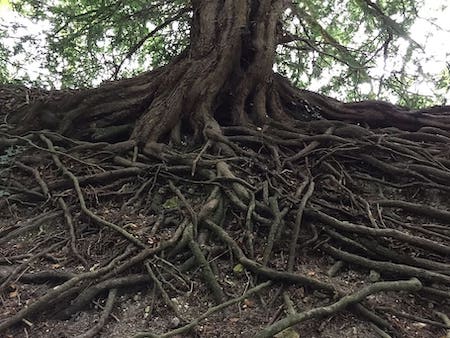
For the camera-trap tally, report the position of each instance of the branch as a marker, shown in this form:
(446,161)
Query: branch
(141,42)
(327,37)
(391,25)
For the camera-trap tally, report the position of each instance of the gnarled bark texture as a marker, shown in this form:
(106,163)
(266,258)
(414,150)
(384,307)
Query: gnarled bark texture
(225,77)
(365,185)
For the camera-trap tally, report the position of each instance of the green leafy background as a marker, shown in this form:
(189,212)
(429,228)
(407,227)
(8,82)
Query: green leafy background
(351,49)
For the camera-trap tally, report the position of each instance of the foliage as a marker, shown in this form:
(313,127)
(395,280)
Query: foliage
(191,189)
(351,49)
(9,154)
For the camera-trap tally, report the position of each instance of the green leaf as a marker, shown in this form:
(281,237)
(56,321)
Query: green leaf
(171,203)
(238,268)
(287,333)
(4,193)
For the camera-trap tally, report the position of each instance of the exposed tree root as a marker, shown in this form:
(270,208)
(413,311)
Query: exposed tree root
(292,319)
(264,181)
(377,201)
(205,315)
(101,322)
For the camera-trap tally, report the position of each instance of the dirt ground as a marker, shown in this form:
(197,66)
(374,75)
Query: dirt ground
(137,309)
(139,306)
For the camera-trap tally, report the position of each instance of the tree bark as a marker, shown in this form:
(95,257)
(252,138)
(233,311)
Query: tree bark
(224,77)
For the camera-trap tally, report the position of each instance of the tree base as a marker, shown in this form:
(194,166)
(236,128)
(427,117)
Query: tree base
(265,202)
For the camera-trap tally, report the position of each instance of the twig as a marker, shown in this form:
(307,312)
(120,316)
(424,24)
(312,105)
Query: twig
(412,317)
(69,221)
(160,288)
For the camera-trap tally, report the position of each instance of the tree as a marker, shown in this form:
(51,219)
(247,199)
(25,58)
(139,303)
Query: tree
(266,158)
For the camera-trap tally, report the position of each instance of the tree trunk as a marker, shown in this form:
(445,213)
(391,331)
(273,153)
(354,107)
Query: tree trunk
(224,77)
(368,198)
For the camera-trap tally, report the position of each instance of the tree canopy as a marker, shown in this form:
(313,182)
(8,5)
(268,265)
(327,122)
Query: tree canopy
(353,49)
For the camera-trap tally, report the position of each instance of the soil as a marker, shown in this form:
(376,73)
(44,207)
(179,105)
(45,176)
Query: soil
(147,204)
(137,309)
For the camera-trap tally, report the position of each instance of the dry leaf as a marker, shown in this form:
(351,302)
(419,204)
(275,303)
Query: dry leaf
(249,303)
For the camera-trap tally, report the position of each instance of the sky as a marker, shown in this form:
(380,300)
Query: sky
(434,37)
(435,42)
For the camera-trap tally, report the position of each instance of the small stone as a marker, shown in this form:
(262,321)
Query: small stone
(175,322)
